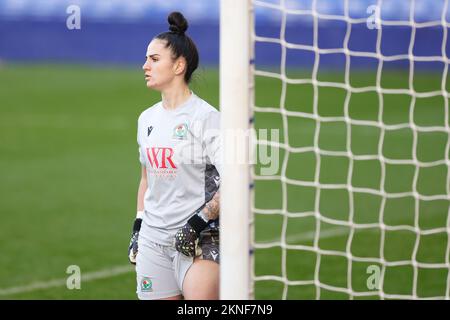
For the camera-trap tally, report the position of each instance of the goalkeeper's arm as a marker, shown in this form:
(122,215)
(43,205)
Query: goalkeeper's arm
(186,239)
(133,246)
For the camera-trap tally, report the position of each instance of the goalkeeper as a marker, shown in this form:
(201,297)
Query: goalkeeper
(175,238)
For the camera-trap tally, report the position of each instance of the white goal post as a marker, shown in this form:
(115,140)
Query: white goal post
(235,180)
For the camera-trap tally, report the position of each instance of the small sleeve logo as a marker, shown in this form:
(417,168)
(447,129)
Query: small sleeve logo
(146,285)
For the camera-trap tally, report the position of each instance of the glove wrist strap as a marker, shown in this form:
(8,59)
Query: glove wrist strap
(197,223)
(137,224)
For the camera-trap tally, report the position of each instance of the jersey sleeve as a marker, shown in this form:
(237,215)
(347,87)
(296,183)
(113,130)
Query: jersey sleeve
(141,154)
(212,140)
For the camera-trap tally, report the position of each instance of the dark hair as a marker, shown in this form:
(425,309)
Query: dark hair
(179,43)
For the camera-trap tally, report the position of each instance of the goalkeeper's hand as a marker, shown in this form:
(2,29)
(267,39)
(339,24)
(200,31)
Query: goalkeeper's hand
(186,239)
(133,247)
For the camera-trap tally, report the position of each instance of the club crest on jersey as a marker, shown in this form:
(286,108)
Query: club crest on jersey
(180,131)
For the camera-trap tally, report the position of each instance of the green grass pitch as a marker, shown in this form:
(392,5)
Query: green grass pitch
(69,172)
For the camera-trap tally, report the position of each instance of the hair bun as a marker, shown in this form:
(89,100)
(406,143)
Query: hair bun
(177,23)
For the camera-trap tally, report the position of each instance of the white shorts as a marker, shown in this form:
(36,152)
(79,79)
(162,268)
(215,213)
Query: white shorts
(160,270)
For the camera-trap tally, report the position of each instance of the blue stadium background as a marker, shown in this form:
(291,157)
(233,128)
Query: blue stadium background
(117,32)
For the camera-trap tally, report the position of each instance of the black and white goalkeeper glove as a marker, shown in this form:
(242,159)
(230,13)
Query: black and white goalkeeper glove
(186,239)
(133,246)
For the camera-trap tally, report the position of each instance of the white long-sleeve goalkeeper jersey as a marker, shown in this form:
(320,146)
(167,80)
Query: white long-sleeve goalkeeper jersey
(176,147)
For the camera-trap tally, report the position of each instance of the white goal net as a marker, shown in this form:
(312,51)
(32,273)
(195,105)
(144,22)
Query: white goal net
(352,199)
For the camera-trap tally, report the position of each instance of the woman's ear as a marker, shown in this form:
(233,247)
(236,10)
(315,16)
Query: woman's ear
(180,66)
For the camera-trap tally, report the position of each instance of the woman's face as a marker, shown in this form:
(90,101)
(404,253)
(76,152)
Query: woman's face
(159,68)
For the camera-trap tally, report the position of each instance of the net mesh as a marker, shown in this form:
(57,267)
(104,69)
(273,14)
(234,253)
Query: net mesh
(359,204)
